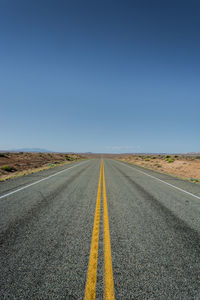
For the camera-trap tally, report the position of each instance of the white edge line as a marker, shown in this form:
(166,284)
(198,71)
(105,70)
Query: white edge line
(26,186)
(160,180)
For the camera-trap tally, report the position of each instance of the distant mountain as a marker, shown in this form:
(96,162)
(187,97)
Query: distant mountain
(31,150)
(193,153)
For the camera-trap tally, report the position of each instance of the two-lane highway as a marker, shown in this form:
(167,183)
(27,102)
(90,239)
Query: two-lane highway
(99,229)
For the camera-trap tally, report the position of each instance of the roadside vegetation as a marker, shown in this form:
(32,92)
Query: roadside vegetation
(8,168)
(14,164)
(183,166)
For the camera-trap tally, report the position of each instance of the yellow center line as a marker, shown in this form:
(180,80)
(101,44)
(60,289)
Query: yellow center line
(108,272)
(90,288)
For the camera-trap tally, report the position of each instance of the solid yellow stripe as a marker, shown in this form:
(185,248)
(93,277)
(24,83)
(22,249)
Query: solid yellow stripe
(108,272)
(90,288)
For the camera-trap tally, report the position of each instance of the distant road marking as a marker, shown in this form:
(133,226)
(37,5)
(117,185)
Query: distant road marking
(184,191)
(108,272)
(36,182)
(90,288)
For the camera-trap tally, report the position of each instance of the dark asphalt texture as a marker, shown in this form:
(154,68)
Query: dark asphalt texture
(46,230)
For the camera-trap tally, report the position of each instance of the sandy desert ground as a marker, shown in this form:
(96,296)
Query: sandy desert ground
(184,166)
(14,164)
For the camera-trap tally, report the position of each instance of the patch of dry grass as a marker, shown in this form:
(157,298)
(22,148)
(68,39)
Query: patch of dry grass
(13,164)
(186,167)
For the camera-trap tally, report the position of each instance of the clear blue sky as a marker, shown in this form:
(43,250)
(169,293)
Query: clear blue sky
(100,76)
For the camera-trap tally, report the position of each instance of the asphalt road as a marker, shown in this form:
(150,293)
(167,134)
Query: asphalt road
(47,226)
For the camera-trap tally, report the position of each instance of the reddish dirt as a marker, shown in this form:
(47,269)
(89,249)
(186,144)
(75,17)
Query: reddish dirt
(187,167)
(24,161)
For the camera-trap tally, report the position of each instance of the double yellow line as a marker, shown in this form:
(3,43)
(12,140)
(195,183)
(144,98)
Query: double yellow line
(90,289)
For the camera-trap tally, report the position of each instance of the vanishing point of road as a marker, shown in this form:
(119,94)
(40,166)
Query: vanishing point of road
(99,229)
